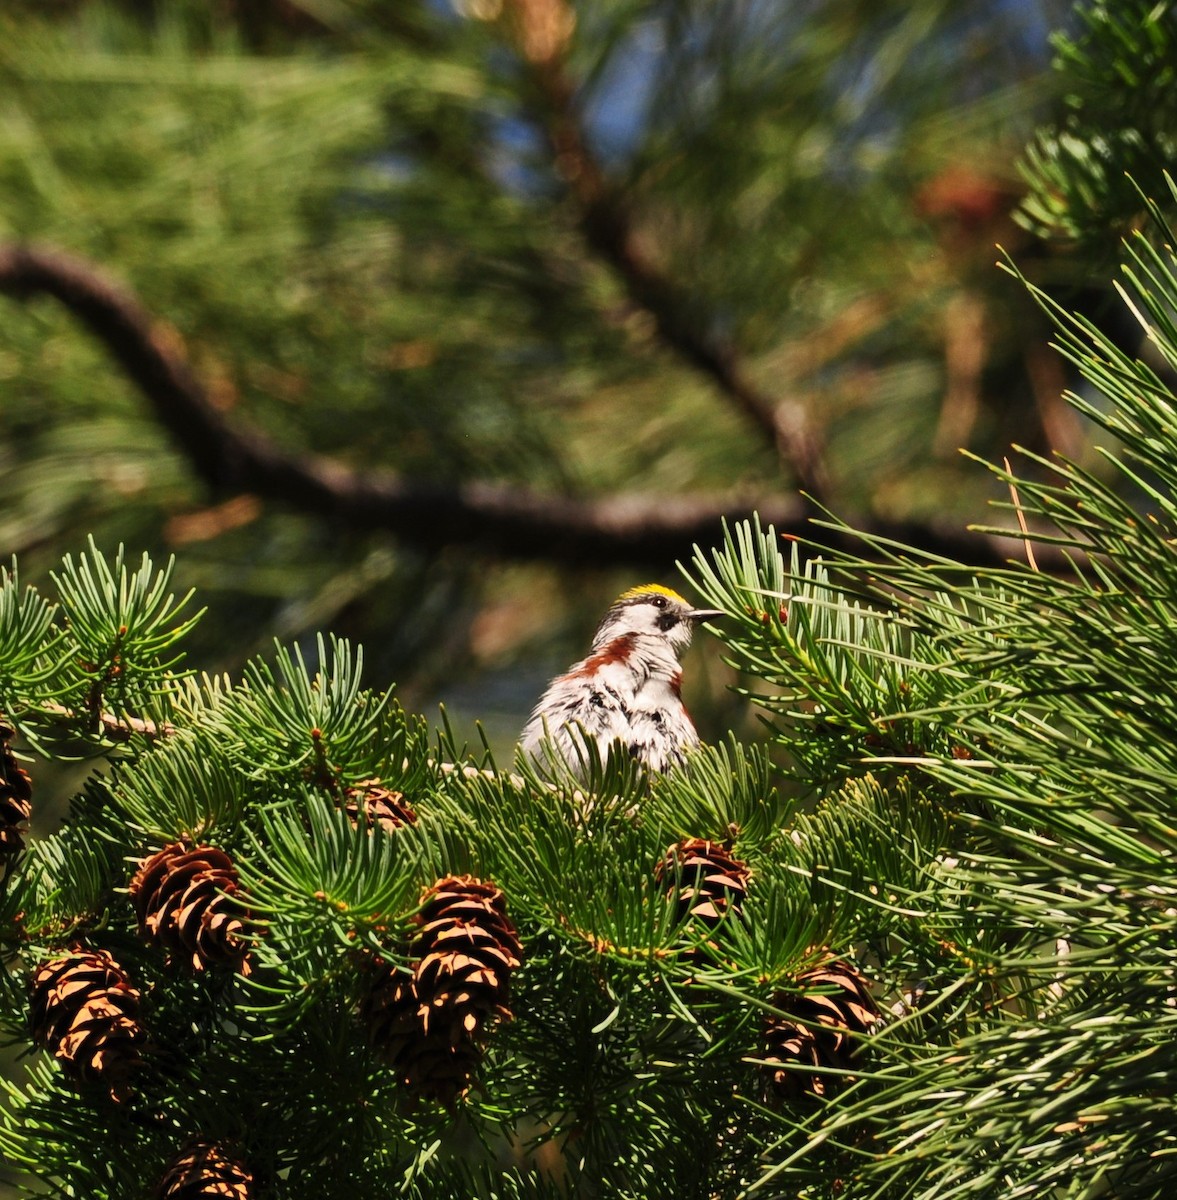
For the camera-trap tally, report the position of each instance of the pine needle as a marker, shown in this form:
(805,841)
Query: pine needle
(1013,492)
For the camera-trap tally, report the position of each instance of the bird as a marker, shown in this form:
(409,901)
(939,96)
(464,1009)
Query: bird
(628,689)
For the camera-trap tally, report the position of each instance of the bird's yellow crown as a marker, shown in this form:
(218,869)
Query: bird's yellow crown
(647,589)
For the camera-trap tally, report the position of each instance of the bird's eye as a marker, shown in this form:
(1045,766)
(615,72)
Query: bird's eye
(658,601)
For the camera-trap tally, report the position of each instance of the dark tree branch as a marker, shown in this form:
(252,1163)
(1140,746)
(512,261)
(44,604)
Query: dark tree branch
(495,519)
(542,29)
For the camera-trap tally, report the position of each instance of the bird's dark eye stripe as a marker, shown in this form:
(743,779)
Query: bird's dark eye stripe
(654,599)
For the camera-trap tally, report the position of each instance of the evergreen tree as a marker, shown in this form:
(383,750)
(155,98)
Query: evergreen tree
(919,943)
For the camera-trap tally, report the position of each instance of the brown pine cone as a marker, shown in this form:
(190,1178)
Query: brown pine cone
(431,1025)
(16,793)
(712,882)
(203,1171)
(381,807)
(430,1065)
(187,899)
(830,1005)
(84,1010)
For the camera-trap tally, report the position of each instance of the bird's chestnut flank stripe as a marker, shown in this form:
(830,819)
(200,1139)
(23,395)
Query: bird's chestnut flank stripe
(617,651)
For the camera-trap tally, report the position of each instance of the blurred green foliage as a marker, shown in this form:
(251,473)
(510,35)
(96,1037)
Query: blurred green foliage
(350,217)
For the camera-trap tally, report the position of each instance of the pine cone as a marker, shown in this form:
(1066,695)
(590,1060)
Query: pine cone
(430,1066)
(380,806)
(203,1171)
(712,883)
(83,1008)
(832,1003)
(16,793)
(431,1024)
(388,1006)
(187,899)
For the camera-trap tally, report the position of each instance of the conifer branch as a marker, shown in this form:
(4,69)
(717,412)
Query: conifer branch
(496,519)
(542,30)
(113,727)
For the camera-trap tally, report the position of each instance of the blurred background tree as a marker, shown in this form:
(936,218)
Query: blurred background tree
(547,286)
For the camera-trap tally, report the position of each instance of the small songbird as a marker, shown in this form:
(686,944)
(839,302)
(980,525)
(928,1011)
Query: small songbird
(628,689)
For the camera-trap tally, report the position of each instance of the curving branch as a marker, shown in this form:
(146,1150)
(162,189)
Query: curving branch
(542,31)
(501,520)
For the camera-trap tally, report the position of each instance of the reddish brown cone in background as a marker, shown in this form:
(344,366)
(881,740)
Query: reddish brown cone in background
(381,807)
(83,1009)
(187,899)
(831,1003)
(431,1024)
(16,793)
(204,1171)
(712,882)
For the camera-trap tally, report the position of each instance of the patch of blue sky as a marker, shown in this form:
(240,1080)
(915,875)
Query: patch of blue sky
(516,156)
(616,111)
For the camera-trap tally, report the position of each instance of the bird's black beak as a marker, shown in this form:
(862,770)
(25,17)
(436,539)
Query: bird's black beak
(698,615)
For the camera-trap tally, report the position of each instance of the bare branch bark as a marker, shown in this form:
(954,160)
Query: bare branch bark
(113,727)
(542,31)
(499,520)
